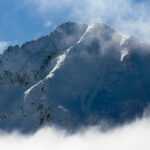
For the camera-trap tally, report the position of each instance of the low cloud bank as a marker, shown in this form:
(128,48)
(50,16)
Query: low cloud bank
(134,136)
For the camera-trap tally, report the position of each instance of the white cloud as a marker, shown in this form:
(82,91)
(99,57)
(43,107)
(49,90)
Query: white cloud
(124,15)
(133,136)
(3,46)
(47,5)
(48,23)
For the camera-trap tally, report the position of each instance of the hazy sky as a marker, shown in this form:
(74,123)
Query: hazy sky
(24,20)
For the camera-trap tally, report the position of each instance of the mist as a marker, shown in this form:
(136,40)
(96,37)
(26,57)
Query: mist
(126,16)
(3,46)
(133,136)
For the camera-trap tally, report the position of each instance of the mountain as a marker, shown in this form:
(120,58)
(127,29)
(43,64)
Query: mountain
(76,76)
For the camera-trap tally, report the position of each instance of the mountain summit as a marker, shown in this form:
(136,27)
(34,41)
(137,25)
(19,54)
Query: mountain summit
(76,76)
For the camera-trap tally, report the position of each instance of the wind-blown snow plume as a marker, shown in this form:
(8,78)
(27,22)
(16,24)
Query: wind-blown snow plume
(88,29)
(124,39)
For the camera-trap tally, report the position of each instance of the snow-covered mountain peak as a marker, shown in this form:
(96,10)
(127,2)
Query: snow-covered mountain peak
(75,76)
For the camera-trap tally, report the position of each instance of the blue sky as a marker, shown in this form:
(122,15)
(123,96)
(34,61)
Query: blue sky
(25,20)
(19,23)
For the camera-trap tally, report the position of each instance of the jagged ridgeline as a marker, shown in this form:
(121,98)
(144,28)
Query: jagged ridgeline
(76,76)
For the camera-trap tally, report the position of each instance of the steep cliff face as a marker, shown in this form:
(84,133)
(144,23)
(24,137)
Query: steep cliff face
(78,75)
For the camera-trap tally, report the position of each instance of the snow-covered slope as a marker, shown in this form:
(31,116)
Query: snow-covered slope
(78,75)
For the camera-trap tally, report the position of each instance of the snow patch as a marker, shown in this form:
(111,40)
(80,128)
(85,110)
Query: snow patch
(124,52)
(62,108)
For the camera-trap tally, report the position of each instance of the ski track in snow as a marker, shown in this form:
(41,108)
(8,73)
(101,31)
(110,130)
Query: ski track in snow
(60,60)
